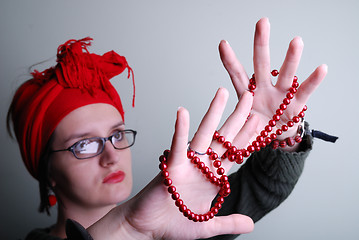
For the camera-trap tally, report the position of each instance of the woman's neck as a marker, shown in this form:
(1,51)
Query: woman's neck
(85,216)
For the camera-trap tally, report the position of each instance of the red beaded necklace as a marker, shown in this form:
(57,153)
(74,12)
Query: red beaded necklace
(233,154)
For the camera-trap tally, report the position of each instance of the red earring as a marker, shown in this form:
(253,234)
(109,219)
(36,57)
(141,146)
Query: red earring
(52,200)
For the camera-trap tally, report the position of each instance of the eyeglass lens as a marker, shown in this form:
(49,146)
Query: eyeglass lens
(93,146)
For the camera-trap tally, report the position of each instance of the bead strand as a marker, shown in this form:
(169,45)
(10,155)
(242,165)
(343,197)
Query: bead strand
(233,154)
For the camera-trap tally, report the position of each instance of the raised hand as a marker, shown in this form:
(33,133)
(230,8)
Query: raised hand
(152,213)
(268,97)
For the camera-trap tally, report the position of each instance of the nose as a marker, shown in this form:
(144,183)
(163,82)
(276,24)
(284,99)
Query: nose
(109,156)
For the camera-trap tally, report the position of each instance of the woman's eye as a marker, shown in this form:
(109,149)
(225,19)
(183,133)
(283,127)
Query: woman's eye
(87,146)
(118,136)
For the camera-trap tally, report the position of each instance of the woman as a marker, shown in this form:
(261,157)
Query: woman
(67,117)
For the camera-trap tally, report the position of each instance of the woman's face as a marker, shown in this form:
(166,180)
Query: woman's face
(99,181)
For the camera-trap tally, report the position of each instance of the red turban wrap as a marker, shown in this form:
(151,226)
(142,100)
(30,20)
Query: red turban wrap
(79,78)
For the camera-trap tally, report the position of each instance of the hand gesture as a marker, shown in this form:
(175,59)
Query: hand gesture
(152,213)
(268,97)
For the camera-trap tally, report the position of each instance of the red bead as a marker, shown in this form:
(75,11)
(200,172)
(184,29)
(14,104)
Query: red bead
(215,135)
(260,138)
(171,189)
(290,141)
(255,144)
(239,159)
(224,178)
(279,112)
(195,160)
(220,171)
(263,144)
(298,139)
(162,158)
(279,132)
(272,123)
(251,87)
(296,119)
(209,151)
(165,174)
(264,133)
(305,108)
(268,140)
(275,144)
(290,95)
(293,90)
(221,139)
(214,210)
(286,101)
(273,136)
(213,156)
(301,114)
(232,157)
(246,153)
(282,144)
(190,154)
(175,196)
(163,166)
(167,182)
(268,128)
(227,145)
(295,78)
(276,117)
(295,85)
(209,175)
(284,128)
(217,164)
(283,106)
(200,165)
(218,205)
(290,123)
(250,148)
(205,170)
(166,152)
(275,73)
(233,150)
(183,208)
(187,213)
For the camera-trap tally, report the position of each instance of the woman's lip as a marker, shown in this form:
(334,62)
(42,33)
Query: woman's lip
(114,177)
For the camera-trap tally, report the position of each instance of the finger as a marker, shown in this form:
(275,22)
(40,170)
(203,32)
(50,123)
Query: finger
(234,68)
(247,133)
(239,116)
(210,121)
(311,83)
(232,224)
(261,56)
(180,136)
(290,64)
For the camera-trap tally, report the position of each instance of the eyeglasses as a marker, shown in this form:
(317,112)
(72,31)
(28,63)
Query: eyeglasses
(91,147)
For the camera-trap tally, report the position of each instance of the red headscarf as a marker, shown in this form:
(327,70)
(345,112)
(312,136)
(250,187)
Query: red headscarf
(79,78)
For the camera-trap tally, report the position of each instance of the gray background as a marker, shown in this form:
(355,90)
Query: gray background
(172,47)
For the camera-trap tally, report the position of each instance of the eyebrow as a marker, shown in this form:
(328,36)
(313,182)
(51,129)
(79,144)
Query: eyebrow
(83,135)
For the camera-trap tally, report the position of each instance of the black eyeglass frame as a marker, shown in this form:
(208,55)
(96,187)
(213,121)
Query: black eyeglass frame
(104,140)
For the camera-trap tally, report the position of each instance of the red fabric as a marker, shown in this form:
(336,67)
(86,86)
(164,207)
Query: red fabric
(80,78)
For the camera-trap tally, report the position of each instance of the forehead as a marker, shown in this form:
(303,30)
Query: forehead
(95,119)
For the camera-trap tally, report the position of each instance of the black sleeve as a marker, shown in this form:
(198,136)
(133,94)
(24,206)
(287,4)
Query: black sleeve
(75,231)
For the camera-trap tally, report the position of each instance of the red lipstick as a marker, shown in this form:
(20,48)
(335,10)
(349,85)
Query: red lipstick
(115,177)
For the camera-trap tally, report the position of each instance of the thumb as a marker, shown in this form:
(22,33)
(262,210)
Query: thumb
(231,224)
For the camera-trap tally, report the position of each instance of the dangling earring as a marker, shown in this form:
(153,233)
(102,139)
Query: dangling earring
(52,200)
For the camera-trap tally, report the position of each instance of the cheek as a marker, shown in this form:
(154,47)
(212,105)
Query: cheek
(71,176)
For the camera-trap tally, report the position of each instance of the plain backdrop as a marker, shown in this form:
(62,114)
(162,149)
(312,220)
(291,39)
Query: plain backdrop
(172,47)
